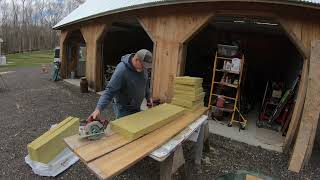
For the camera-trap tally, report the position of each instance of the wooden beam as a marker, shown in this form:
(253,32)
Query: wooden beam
(169,31)
(305,139)
(293,29)
(92,34)
(63,52)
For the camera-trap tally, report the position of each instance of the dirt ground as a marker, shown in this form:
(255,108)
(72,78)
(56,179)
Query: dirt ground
(32,103)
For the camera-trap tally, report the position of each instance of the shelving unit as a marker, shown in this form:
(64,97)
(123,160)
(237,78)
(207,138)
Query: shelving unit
(217,81)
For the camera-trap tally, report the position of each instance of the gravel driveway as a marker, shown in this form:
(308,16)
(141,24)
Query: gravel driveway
(33,103)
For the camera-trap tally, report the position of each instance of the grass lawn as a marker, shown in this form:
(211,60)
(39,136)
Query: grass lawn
(27,59)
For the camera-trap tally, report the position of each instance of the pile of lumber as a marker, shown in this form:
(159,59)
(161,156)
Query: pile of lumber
(144,122)
(188,92)
(50,144)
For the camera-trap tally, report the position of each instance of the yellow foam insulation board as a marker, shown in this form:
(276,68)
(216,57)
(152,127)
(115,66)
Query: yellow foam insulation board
(188,80)
(188,93)
(46,134)
(144,122)
(50,144)
(196,106)
(187,87)
(184,102)
(190,97)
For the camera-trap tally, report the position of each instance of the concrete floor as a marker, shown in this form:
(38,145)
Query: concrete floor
(252,135)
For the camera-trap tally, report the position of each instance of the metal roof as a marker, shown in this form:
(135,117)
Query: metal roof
(96,8)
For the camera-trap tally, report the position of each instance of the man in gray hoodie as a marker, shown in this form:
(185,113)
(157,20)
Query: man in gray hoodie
(128,85)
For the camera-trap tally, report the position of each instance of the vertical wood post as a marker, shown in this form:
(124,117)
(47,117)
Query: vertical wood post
(310,116)
(63,53)
(169,31)
(92,33)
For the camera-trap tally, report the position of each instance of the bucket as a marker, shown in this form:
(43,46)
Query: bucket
(84,85)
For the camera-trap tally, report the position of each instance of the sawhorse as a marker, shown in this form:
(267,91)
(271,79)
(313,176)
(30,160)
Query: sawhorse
(170,155)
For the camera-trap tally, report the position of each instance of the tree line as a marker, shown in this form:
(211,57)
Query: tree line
(26,25)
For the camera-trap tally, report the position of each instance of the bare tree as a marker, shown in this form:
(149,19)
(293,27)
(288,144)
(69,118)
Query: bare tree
(26,25)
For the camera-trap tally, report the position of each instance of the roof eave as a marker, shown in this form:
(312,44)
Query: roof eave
(173,2)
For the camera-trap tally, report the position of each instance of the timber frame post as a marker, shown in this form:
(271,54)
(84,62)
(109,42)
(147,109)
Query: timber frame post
(63,52)
(309,120)
(169,48)
(93,34)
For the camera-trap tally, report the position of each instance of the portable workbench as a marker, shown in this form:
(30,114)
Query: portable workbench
(112,154)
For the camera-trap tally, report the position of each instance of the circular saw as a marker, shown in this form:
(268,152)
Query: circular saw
(92,129)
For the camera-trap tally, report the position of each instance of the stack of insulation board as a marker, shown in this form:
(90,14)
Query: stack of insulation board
(50,144)
(188,92)
(144,122)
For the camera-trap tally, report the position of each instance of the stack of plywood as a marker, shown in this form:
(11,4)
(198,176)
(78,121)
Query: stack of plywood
(144,122)
(50,144)
(188,92)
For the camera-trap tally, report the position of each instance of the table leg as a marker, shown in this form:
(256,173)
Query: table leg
(166,168)
(199,146)
(206,144)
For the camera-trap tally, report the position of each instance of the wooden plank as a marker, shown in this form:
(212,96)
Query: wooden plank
(141,123)
(297,111)
(117,161)
(310,116)
(90,150)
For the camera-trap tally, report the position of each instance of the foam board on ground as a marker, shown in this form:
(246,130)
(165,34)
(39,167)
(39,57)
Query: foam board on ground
(141,123)
(50,131)
(188,80)
(50,144)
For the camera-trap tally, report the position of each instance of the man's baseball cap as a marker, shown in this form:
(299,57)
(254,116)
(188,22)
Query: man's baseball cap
(145,57)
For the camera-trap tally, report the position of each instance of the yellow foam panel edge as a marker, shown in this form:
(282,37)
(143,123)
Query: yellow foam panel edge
(188,80)
(190,97)
(144,122)
(50,131)
(184,102)
(188,93)
(186,87)
(51,145)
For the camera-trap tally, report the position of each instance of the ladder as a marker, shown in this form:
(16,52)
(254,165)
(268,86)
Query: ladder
(219,71)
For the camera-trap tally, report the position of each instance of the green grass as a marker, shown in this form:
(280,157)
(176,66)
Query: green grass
(28,59)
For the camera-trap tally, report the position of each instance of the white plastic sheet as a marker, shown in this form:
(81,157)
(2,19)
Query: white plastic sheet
(56,166)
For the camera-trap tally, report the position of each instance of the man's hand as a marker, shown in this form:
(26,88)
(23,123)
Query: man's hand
(95,114)
(150,103)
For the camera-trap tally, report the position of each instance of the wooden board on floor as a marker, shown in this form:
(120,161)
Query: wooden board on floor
(305,139)
(121,159)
